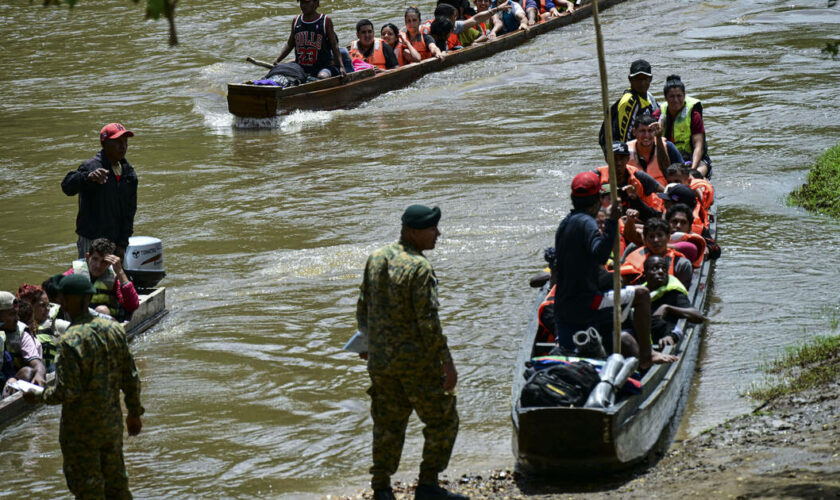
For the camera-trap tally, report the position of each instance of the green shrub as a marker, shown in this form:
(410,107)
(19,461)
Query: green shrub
(821,192)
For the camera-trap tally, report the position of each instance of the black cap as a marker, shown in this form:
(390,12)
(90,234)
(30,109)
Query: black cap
(620,148)
(421,216)
(679,193)
(640,67)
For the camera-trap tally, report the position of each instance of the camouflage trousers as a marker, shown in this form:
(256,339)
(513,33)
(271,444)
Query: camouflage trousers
(95,470)
(393,397)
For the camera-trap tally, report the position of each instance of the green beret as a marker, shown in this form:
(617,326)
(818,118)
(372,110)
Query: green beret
(420,216)
(76,284)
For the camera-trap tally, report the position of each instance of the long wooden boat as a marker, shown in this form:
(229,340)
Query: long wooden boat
(152,308)
(264,101)
(588,441)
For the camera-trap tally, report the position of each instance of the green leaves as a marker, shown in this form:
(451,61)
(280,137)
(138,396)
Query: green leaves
(154,10)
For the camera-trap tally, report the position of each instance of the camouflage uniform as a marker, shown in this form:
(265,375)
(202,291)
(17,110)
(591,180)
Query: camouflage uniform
(398,309)
(93,364)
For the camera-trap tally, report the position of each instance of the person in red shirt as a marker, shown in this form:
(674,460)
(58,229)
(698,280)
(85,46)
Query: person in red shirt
(115,294)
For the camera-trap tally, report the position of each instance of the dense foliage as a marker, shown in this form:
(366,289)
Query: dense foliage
(821,192)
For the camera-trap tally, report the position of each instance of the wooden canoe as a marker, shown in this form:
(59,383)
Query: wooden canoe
(152,308)
(264,101)
(587,441)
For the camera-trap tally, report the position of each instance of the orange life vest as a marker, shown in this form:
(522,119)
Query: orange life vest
(708,196)
(376,58)
(420,46)
(650,200)
(652,169)
(634,264)
(698,241)
(451,42)
(398,51)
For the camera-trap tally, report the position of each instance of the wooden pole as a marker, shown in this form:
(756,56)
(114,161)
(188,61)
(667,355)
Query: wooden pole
(257,62)
(602,69)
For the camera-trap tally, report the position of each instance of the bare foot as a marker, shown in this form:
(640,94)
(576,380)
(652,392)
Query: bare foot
(656,358)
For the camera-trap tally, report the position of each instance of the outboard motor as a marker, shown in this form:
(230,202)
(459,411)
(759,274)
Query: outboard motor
(144,261)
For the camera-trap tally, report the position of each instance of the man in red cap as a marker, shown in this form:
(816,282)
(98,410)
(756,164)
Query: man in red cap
(581,252)
(107,189)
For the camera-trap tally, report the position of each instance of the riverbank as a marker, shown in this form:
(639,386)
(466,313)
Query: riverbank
(821,191)
(787,447)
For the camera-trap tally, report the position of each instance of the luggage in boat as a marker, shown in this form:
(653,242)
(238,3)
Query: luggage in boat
(560,385)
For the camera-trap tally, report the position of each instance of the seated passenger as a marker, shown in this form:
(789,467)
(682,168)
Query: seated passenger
(454,40)
(680,193)
(680,173)
(115,294)
(25,359)
(683,240)
(636,189)
(463,36)
(542,10)
(657,236)
(510,20)
(314,41)
(423,43)
(372,50)
(581,251)
(47,327)
(648,151)
(668,302)
(406,54)
(682,123)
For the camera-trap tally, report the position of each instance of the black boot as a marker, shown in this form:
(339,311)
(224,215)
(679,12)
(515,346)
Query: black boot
(384,494)
(428,492)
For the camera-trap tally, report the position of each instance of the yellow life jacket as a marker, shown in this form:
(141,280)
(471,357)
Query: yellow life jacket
(682,125)
(672,284)
(104,286)
(629,106)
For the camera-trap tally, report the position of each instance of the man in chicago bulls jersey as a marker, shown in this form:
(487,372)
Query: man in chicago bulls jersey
(314,42)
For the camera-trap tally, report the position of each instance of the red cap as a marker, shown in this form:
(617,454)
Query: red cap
(586,184)
(114,130)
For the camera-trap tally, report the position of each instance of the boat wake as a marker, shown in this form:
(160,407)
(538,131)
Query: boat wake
(294,122)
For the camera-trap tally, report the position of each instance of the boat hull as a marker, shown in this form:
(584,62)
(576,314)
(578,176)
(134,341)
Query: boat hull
(263,101)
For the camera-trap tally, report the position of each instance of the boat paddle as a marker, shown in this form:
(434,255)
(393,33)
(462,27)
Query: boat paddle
(602,69)
(257,62)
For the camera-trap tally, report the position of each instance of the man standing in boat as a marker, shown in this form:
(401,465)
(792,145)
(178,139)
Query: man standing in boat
(92,367)
(581,252)
(408,360)
(107,189)
(635,101)
(314,42)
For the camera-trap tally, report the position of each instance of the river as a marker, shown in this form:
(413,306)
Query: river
(265,231)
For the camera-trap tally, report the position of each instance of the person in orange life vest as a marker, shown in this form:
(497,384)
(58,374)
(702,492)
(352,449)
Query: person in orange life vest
(314,41)
(446,12)
(423,43)
(681,174)
(542,10)
(649,151)
(372,50)
(486,27)
(581,251)
(636,188)
(683,239)
(680,193)
(657,235)
(669,303)
(405,52)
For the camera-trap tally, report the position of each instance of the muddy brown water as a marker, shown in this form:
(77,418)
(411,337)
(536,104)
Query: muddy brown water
(266,229)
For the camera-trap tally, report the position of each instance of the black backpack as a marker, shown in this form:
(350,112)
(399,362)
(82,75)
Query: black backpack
(560,385)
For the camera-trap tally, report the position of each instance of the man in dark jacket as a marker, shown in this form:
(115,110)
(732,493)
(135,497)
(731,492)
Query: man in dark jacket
(107,189)
(582,250)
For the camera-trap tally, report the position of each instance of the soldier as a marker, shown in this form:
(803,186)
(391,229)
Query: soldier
(408,360)
(93,365)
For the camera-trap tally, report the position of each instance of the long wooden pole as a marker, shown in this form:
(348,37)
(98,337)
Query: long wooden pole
(602,68)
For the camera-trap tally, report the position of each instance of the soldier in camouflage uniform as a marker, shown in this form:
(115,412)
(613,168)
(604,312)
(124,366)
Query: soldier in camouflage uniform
(93,365)
(409,363)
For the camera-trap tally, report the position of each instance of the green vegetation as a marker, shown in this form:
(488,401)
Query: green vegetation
(154,10)
(821,192)
(802,367)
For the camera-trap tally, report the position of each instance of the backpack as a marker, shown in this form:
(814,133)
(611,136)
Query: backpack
(560,385)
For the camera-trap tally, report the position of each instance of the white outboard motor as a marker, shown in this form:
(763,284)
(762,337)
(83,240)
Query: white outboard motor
(144,261)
